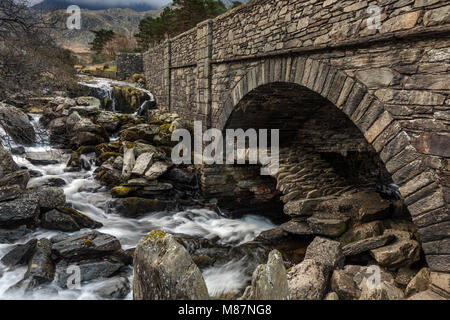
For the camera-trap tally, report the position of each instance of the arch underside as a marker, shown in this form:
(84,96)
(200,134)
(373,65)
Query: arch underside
(333,118)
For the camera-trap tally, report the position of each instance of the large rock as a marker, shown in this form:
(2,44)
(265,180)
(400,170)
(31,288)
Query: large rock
(364,245)
(55,220)
(41,269)
(16,123)
(419,283)
(308,280)
(344,285)
(327,252)
(49,197)
(129,161)
(86,246)
(142,164)
(399,254)
(164,270)
(114,288)
(44,157)
(157,170)
(327,225)
(19,178)
(134,207)
(19,212)
(384,291)
(89,270)
(7,164)
(361,232)
(269,281)
(108,120)
(20,254)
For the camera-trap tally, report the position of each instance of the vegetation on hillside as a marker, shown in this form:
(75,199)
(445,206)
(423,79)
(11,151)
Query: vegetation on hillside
(29,56)
(182,16)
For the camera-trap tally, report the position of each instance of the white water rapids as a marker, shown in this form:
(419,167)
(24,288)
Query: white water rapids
(89,197)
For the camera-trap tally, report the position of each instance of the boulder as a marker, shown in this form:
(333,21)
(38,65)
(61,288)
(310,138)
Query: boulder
(19,212)
(300,228)
(86,246)
(16,123)
(181,176)
(108,120)
(129,161)
(82,220)
(10,192)
(142,164)
(20,254)
(164,270)
(327,225)
(344,285)
(399,254)
(41,268)
(421,282)
(361,232)
(143,131)
(331,296)
(14,235)
(49,197)
(308,280)
(87,101)
(72,120)
(384,291)
(327,252)
(7,164)
(134,207)
(157,170)
(89,270)
(114,288)
(364,245)
(269,281)
(19,178)
(154,189)
(44,157)
(55,220)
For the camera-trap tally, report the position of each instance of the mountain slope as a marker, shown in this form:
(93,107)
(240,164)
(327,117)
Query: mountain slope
(121,21)
(51,5)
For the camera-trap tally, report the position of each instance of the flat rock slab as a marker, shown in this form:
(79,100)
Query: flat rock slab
(44,157)
(297,228)
(367,244)
(89,270)
(86,246)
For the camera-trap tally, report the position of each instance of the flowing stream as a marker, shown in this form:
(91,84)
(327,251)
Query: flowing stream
(89,197)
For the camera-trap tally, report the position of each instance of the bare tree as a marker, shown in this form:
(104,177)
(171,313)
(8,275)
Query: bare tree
(29,57)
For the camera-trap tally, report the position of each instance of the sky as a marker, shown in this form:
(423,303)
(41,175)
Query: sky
(111,3)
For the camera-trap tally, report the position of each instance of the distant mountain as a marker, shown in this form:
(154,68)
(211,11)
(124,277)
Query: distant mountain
(51,5)
(121,21)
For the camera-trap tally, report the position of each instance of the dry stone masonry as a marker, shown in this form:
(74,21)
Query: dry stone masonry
(319,72)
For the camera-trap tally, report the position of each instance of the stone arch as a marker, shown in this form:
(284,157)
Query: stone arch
(419,183)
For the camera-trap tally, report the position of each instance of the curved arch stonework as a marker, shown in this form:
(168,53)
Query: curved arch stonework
(419,184)
(392,82)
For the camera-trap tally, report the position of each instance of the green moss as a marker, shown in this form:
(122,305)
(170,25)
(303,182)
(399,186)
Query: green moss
(165,128)
(120,192)
(155,237)
(107,155)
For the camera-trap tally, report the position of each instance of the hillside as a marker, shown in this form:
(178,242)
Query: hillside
(123,21)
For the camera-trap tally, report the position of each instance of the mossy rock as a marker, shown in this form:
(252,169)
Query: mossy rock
(107,155)
(155,238)
(134,207)
(122,191)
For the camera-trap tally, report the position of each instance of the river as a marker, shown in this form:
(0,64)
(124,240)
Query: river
(86,195)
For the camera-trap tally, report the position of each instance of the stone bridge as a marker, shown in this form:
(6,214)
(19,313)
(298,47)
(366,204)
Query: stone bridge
(334,84)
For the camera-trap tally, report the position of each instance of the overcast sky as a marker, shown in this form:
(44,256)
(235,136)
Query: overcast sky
(114,3)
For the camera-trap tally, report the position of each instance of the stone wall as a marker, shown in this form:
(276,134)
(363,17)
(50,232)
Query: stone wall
(129,64)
